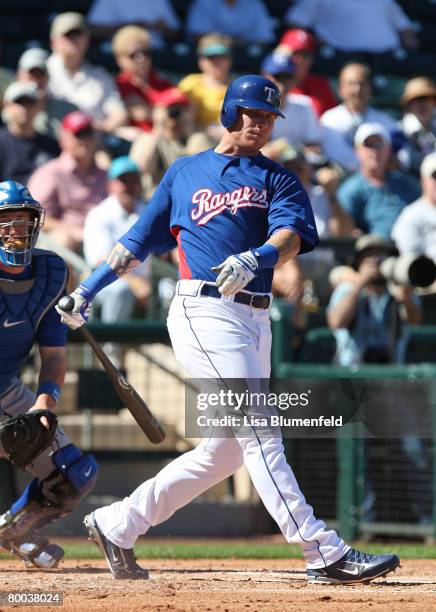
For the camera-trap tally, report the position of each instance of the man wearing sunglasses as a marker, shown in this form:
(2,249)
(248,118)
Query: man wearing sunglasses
(72,78)
(22,149)
(140,86)
(375,195)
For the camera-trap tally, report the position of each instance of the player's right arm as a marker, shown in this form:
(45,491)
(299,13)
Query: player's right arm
(151,233)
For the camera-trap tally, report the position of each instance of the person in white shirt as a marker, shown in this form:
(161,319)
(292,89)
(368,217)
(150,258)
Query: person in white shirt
(373,26)
(104,224)
(246,21)
(300,126)
(339,124)
(157,16)
(414,231)
(72,78)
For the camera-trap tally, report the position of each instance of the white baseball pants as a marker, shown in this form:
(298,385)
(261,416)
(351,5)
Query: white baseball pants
(214,338)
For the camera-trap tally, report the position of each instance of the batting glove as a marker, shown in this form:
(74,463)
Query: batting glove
(79,314)
(236,272)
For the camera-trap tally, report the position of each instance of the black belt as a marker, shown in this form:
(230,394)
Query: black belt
(255,300)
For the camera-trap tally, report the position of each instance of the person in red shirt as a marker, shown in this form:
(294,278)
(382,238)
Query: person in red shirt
(139,84)
(302,46)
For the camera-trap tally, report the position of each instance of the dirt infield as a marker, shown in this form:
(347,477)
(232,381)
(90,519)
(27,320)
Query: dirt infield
(230,585)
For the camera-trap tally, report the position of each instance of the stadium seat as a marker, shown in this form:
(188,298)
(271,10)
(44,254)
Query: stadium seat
(421,345)
(387,89)
(319,346)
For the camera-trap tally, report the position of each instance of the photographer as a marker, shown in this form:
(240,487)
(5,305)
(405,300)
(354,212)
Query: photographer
(369,317)
(367,314)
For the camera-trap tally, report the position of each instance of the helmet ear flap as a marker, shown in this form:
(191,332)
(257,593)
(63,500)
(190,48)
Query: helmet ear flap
(228,115)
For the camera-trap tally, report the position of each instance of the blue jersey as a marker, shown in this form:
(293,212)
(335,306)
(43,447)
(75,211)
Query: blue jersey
(27,312)
(216,205)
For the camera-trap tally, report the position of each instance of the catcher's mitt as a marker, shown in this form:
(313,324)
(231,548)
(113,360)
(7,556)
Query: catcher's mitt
(24,436)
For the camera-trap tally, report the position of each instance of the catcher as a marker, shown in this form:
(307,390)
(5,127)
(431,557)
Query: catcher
(31,282)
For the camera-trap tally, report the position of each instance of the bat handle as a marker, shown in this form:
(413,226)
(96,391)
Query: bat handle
(66,303)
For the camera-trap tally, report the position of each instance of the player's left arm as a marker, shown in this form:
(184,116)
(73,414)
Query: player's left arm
(287,243)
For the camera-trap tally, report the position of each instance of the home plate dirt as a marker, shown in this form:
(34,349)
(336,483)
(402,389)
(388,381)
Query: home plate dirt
(230,585)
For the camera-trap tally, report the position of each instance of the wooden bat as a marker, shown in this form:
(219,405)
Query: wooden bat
(127,394)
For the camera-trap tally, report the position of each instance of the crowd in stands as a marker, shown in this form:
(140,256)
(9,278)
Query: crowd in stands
(93,141)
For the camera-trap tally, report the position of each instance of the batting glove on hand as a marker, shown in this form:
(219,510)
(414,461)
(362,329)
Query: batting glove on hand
(76,313)
(236,272)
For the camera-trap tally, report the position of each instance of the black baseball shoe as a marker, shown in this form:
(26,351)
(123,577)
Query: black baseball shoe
(121,561)
(355,567)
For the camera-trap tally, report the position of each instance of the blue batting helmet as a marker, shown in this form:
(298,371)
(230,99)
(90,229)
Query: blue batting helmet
(251,91)
(18,236)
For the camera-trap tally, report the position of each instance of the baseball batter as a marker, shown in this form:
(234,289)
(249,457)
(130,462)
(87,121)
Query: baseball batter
(31,282)
(235,215)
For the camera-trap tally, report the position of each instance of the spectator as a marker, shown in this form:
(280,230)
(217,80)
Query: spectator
(138,83)
(206,89)
(370,319)
(300,124)
(155,151)
(373,26)
(419,121)
(341,122)
(415,229)
(330,220)
(246,21)
(72,78)
(375,196)
(105,17)
(22,149)
(302,46)
(104,224)
(71,184)
(364,313)
(32,67)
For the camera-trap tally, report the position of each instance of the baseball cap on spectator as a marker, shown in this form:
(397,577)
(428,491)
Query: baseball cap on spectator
(122,165)
(76,122)
(172,96)
(365,130)
(418,87)
(298,40)
(214,44)
(278,63)
(33,58)
(428,166)
(20,89)
(66,22)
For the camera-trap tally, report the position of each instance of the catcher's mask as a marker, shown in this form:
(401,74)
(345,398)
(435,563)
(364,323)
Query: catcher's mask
(18,232)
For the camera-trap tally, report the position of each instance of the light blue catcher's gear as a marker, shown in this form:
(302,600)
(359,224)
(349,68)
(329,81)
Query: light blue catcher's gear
(251,91)
(18,238)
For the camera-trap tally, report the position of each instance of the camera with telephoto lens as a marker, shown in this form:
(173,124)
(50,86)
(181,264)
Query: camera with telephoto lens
(410,269)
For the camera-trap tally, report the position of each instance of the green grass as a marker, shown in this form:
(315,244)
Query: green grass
(240,550)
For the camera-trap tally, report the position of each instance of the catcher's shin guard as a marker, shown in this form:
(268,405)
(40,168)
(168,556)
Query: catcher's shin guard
(45,501)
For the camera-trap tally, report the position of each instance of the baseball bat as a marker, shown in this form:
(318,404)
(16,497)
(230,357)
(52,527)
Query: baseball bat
(127,394)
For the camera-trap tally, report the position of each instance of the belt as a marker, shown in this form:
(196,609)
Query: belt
(255,300)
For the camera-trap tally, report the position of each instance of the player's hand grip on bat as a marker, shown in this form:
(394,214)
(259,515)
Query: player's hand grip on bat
(236,272)
(74,308)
